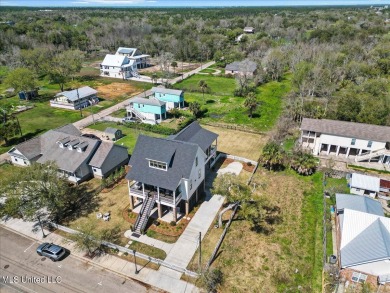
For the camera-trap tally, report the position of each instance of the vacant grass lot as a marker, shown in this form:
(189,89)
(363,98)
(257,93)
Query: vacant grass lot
(287,257)
(131,135)
(222,107)
(239,143)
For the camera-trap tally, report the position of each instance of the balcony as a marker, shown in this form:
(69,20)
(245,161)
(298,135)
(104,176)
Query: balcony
(165,196)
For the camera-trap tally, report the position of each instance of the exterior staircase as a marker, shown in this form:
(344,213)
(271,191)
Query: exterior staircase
(368,156)
(137,113)
(144,214)
(135,73)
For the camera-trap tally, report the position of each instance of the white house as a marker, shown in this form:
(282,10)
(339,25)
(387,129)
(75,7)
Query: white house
(358,141)
(140,60)
(118,66)
(170,172)
(363,237)
(72,153)
(364,185)
(75,99)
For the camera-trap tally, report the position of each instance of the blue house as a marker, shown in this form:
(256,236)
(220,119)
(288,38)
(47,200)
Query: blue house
(173,98)
(151,111)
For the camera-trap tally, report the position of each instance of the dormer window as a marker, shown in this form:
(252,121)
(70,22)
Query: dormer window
(158,165)
(353,141)
(369,144)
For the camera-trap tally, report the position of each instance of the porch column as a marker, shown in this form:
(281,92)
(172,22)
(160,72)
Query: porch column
(328,151)
(204,184)
(159,209)
(131,202)
(143,189)
(174,214)
(348,149)
(187,207)
(338,150)
(174,198)
(197,194)
(360,151)
(158,193)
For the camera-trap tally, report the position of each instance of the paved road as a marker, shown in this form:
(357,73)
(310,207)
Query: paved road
(18,259)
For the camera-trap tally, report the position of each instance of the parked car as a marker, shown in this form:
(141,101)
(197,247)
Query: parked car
(52,251)
(128,120)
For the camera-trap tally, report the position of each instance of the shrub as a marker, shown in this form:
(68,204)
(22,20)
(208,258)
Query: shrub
(249,164)
(172,223)
(126,254)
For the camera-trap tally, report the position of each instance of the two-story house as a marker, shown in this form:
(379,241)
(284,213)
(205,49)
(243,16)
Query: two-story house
(148,110)
(118,66)
(77,157)
(359,141)
(173,98)
(140,60)
(169,172)
(75,99)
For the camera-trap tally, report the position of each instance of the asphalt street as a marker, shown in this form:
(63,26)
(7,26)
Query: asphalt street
(23,270)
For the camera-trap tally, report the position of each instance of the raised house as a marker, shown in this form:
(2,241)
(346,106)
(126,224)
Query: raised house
(118,66)
(75,99)
(173,98)
(170,172)
(135,56)
(151,111)
(357,141)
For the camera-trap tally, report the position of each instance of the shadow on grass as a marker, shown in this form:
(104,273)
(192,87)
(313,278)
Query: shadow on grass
(17,140)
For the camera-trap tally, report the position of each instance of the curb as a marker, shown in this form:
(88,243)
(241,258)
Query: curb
(88,261)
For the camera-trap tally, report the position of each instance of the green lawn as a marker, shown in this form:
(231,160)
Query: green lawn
(131,135)
(222,107)
(208,70)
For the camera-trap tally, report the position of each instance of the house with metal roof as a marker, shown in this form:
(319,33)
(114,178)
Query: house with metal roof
(75,99)
(364,185)
(140,60)
(71,152)
(173,98)
(363,237)
(245,67)
(147,110)
(249,30)
(169,173)
(118,66)
(358,142)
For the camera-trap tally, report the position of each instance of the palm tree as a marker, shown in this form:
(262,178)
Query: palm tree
(195,108)
(304,163)
(203,86)
(272,155)
(174,65)
(251,103)
(154,78)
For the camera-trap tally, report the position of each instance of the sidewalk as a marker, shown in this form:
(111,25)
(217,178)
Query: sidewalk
(186,246)
(167,247)
(108,262)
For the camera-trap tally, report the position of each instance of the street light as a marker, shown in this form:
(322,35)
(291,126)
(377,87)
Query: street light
(135,263)
(40,224)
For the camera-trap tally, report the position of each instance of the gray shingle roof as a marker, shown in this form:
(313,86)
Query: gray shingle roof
(194,133)
(108,156)
(82,92)
(166,91)
(48,149)
(180,164)
(241,66)
(144,101)
(347,129)
(367,239)
(111,130)
(358,203)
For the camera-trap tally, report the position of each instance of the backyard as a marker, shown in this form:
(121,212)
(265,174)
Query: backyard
(221,106)
(130,134)
(287,254)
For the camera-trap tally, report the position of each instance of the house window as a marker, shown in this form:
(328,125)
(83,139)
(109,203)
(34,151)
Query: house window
(353,141)
(94,170)
(196,162)
(199,173)
(16,159)
(359,277)
(369,144)
(157,165)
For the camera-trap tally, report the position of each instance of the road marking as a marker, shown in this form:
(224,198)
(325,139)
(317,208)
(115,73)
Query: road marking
(29,246)
(60,266)
(100,283)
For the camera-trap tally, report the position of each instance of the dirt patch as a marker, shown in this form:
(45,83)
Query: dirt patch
(116,89)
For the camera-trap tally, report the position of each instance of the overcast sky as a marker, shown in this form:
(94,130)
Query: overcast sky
(184,3)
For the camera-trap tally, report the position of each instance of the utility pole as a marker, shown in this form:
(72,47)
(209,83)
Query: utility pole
(78,100)
(135,263)
(200,252)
